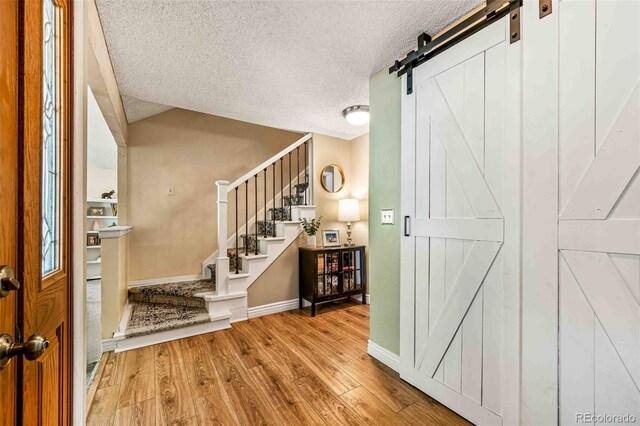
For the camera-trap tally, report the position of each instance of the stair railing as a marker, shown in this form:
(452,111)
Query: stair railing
(224,188)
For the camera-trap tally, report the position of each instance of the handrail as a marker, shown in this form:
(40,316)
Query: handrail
(267,163)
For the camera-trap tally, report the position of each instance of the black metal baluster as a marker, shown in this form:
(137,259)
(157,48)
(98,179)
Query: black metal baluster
(273,204)
(255,181)
(237,247)
(282,185)
(246,217)
(306,174)
(298,174)
(265,202)
(290,182)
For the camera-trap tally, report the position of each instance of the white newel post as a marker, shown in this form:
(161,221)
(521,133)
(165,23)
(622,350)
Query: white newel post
(310,192)
(222,262)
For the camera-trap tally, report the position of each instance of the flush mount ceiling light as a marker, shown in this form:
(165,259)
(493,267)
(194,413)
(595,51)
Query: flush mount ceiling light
(357,114)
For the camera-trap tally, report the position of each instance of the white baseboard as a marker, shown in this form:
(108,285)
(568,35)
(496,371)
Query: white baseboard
(109,345)
(359,298)
(166,280)
(273,308)
(383,355)
(125,344)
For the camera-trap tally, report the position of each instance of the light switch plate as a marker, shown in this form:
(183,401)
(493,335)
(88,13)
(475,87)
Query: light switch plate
(171,190)
(387,216)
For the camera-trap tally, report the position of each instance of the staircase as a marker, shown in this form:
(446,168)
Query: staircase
(262,227)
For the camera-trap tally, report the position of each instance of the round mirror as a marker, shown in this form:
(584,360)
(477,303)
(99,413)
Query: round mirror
(332,178)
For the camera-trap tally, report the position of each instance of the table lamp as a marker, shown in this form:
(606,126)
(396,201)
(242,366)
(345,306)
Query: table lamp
(348,211)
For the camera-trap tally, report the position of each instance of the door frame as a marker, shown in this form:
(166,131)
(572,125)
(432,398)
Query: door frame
(511,380)
(9,75)
(79,47)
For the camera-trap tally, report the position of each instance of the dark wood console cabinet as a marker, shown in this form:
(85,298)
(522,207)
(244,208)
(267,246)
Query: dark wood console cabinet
(331,273)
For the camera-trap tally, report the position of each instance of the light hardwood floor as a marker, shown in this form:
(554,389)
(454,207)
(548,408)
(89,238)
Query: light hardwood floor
(285,368)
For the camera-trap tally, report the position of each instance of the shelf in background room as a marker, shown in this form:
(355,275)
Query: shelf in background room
(102,200)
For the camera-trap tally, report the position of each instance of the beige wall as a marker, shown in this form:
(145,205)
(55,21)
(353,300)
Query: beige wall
(330,150)
(353,157)
(280,281)
(359,185)
(188,151)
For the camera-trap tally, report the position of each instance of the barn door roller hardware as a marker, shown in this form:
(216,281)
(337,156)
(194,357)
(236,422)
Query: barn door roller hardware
(428,48)
(545,7)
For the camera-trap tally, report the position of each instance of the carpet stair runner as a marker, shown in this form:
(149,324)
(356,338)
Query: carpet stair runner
(168,311)
(149,318)
(161,307)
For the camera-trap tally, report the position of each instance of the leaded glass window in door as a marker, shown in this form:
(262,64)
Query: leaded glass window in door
(51,140)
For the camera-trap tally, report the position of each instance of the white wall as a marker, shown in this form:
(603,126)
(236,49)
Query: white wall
(102,156)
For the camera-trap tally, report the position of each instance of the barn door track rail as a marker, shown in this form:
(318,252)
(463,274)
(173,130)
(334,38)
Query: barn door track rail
(429,47)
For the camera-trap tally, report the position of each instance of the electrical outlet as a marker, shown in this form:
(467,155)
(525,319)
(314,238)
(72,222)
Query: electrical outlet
(171,190)
(387,216)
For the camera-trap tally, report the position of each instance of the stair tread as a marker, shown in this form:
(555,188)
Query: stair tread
(148,318)
(254,256)
(179,289)
(234,276)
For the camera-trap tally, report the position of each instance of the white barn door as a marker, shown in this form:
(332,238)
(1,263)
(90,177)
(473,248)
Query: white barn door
(460,132)
(521,183)
(599,197)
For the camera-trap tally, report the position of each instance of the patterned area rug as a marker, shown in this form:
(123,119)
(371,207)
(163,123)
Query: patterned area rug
(147,318)
(183,289)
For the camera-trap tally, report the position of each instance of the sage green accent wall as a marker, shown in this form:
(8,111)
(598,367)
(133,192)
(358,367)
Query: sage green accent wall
(384,193)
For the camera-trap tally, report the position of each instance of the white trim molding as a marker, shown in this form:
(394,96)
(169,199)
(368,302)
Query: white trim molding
(383,355)
(123,343)
(114,231)
(273,308)
(109,345)
(167,280)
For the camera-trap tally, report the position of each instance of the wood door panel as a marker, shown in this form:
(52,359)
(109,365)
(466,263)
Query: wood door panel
(613,304)
(51,311)
(628,267)
(616,60)
(462,294)
(614,166)
(459,154)
(49,386)
(612,236)
(577,360)
(615,391)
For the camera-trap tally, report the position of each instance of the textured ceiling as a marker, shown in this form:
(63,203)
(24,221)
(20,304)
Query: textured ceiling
(287,64)
(137,109)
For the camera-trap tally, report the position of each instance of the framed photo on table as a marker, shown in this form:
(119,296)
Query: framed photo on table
(330,238)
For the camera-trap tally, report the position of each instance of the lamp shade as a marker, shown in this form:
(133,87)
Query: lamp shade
(348,210)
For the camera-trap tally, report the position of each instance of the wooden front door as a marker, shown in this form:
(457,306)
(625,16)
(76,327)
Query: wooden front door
(460,195)
(35,220)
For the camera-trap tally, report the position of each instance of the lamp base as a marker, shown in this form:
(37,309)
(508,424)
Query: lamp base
(350,242)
